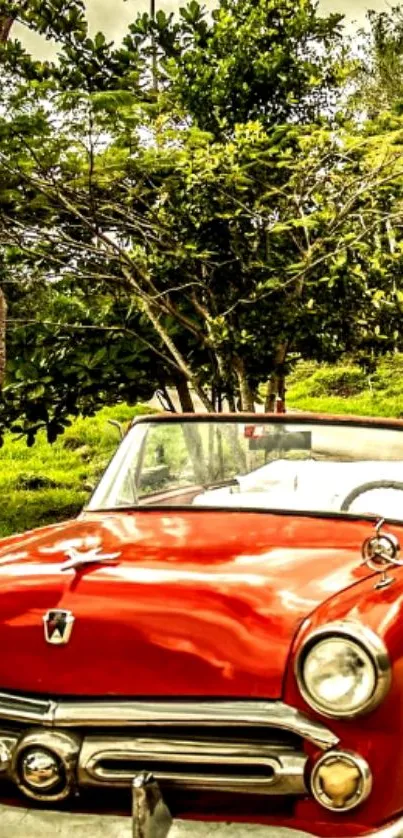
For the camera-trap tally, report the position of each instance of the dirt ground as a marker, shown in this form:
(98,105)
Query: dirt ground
(21,823)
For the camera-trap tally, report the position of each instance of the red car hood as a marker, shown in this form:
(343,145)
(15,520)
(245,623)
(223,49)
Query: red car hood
(199,603)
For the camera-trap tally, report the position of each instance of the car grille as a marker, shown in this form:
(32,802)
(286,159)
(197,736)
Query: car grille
(235,761)
(236,747)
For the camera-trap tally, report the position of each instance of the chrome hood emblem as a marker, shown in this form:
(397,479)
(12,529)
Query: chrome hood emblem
(381,552)
(77,559)
(58,625)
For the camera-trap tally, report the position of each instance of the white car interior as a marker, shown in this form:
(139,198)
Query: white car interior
(313,485)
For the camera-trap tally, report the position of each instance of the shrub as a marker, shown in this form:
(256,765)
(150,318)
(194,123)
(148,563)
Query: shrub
(49,483)
(337,381)
(347,389)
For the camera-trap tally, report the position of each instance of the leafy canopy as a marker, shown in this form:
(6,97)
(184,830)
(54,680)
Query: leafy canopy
(200,228)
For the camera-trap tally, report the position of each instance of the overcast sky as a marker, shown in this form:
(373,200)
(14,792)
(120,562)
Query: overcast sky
(113,16)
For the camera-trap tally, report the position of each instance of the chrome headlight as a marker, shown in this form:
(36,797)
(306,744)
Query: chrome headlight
(343,669)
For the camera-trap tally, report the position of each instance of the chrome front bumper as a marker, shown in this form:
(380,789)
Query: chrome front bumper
(201,746)
(135,736)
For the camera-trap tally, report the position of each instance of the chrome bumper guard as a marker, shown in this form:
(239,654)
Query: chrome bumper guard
(152,819)
(151,816)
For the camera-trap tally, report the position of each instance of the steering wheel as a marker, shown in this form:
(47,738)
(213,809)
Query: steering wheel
(369,487)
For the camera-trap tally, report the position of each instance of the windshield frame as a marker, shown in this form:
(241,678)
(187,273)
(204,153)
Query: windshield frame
(381,423)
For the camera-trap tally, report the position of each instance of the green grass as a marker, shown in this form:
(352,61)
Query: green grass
(48,483)
(346,389)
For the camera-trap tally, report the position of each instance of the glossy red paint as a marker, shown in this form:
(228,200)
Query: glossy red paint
(200,603)
(376,736)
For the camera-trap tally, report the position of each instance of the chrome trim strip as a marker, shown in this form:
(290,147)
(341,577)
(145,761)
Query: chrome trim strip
(372,644)
(123,713)
(16,708)
(250,767)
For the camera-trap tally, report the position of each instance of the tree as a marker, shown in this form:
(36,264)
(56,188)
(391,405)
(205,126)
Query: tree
(376,104)
(257,60)
(226,232)
(290,225)
(6,22)
(379,76)
(82,354)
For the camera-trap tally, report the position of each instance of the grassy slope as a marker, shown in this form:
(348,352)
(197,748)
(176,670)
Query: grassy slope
(347,389)
(49,483)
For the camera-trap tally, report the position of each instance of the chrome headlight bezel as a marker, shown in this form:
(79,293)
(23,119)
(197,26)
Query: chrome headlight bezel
(369,642)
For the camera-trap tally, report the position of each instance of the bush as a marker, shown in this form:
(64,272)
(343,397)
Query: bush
(35,482)
(347,389)
(335,381)
(48,483)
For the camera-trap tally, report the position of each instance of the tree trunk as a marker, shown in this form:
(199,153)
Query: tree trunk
(191,431)
(281,391)
(218,402)
(271,395)
(182,364)
(275,397)
(247,402)
(3,322)
(5,27)
(185,397)
(223,384)
(231,403)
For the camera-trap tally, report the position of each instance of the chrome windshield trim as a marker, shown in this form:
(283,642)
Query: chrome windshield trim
(97,713)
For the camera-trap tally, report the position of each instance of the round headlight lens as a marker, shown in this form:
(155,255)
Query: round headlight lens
(338,676)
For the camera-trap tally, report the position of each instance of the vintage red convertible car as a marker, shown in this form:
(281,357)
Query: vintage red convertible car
(218,636)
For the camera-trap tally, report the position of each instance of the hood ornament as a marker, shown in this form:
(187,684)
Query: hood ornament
(77,559)
(381,552)
(58,625)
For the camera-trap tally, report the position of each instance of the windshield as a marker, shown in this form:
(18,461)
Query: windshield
(283,465)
